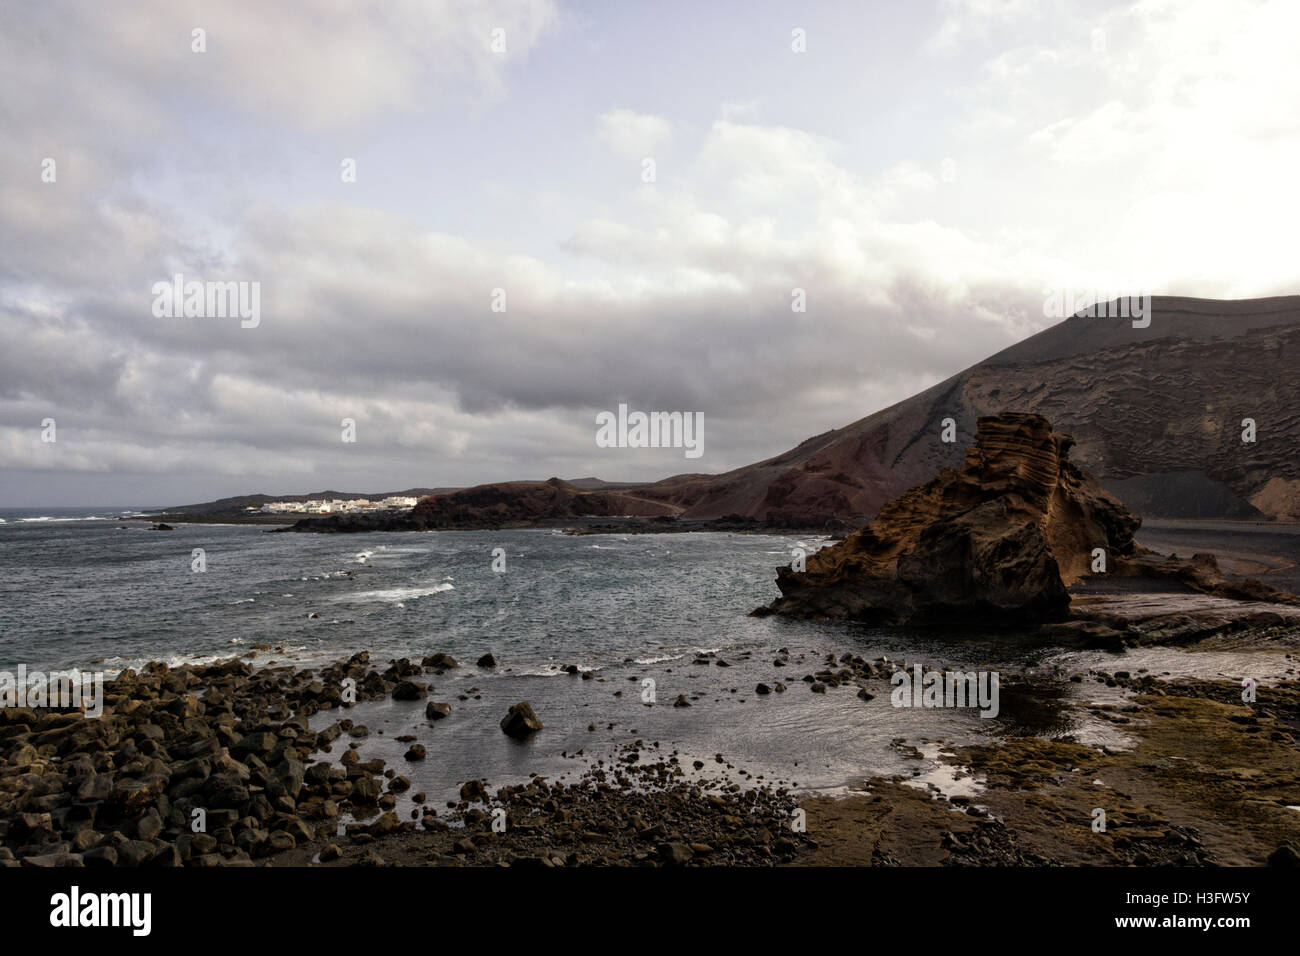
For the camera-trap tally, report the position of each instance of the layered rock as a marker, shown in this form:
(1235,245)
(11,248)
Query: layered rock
(1001,539)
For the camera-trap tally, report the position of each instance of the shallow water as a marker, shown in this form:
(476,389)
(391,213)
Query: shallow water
(628,608)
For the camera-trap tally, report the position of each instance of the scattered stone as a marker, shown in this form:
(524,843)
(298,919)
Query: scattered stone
(409,690)
(520,722)
(676,854)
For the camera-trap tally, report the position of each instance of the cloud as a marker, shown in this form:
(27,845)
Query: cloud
(965,21)
(632,135)
(920,247)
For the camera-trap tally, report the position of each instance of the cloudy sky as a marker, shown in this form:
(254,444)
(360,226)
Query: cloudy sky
(924,171)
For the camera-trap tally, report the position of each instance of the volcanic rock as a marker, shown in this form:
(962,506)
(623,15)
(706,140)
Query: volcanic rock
(439,662)
(521,722)
(998,541)
(409,690)
(436,710)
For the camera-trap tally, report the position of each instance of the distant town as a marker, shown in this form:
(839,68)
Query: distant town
(335,506)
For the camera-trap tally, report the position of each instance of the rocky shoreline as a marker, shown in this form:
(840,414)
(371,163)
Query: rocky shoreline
(1210,781)
(1021,536)
(232,746)
(584,524)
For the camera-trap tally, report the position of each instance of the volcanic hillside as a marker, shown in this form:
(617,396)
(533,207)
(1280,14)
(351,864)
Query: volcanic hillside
(1156,415)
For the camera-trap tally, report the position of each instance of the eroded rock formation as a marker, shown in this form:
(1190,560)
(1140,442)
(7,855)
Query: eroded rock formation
(999,540)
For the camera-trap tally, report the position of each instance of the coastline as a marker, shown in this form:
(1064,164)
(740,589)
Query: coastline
(240,743)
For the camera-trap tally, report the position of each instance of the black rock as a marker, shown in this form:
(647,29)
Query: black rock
(521,722)
(409,690)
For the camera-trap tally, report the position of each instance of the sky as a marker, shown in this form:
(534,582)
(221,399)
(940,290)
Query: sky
(559,207)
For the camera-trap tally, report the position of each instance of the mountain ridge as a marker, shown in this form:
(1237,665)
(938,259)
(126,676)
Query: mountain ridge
(1156,414)
(1086,374)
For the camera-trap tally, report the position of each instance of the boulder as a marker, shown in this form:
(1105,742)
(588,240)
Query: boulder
(260,743)
(520,721)
(287,779)
(365,790)
(409,690)
(676,854)
(436,710)
(439,662)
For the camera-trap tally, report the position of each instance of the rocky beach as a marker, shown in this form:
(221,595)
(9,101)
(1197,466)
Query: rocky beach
(279,774)
(709,442)
(1017,579)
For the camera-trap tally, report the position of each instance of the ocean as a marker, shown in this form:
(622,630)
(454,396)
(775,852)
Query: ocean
(84,588)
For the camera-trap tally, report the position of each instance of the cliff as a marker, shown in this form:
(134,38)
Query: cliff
(1000,539)
(504,504)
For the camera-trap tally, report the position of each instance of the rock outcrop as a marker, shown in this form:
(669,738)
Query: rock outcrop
(527,502)
(510,504)
(1001,539)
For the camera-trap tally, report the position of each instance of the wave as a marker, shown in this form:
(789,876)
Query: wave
(553,670)
(52,519)
(398,594)
(658,660)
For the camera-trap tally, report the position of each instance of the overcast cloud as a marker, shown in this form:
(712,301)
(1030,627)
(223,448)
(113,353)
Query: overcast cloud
(923,171)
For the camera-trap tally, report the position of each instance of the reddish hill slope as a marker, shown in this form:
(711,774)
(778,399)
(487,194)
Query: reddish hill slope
(1156,414)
